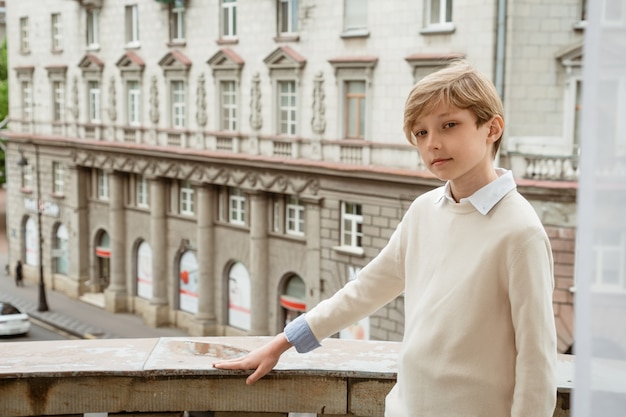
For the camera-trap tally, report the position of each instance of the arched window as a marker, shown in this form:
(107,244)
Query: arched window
(188,282)
(292,300)
(239,296)
(60,252)
(103,258)
(31,246)
(144,270)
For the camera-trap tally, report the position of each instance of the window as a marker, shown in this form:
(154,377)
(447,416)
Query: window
(351,225)
(228,93)
(178,104)
(294,220)
(438,13)
(27,101)
(103,185)
(60,251)
(27,177)
(355,17)
(287,16)
(58,100)
(237,207)
(58,173)
(93,28)
(132,25)
(177,21)
(186,199)
(287,107)
(24,35)
(229,18)
(93,88)
(610,268)
(143,192)
(57,34)
(355,110)
(134,100)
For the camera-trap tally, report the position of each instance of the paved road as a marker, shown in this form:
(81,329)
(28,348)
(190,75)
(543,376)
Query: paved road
(73,316)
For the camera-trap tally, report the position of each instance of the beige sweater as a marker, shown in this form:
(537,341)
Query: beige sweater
(479,336)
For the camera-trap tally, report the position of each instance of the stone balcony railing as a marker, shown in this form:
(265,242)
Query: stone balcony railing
(170,376)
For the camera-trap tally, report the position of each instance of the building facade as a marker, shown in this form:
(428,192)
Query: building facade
(224,165)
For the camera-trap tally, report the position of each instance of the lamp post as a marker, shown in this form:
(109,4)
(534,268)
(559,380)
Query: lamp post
(43,303)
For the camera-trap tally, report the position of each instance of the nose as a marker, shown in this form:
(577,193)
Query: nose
(432,141)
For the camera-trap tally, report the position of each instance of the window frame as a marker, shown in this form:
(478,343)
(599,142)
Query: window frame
(92,19)
(360,125)
(60,252)
(355,24)
(27,178)
(295,220)
(291,121)
(287,17)
(442,25)
(102,185)
(356,226)
(228,111)
(131,20)
(24,35)
(56,27)
(186,199)
(142,191)
(178,107)
(228,19)
(26,99)
(177,23)
(58,178)
(133,102)
(58,100)
(236,207)
(94,101)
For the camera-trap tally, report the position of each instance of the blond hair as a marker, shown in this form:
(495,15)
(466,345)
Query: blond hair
(459,84)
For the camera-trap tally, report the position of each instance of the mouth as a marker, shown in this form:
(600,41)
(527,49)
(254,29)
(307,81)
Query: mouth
(439,161)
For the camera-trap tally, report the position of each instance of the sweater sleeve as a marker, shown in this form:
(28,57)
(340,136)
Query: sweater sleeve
(379,282)
(531,283)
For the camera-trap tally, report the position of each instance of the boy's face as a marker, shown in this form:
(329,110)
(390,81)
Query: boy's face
(454,148)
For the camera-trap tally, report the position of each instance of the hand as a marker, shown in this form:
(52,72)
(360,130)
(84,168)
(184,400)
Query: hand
(262,360)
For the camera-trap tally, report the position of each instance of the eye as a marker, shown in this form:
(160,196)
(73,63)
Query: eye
(419,133)
(448,125)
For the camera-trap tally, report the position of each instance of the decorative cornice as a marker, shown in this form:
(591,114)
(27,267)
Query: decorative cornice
(200,172)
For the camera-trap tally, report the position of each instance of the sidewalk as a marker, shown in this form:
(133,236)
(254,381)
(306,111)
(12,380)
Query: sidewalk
(72,316)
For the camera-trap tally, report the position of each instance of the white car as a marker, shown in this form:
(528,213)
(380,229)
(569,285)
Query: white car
(12,320)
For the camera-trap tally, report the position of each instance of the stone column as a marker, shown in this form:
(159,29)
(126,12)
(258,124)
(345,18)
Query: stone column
(313,245)
(259,310)
(78,227)
(157,313)
(204,322)
(115,296)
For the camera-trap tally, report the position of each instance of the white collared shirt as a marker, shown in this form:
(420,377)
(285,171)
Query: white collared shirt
(488,196)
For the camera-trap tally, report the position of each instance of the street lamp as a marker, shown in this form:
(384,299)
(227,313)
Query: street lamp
(43,304)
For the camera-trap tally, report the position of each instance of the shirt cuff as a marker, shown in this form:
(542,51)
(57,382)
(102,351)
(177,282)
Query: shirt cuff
(299,334)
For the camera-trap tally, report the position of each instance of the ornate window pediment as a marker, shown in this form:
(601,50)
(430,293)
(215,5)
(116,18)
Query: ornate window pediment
(130,61)
(226,60)
(91,63)
(175,61)
(284,57)
(364,64)
(424,64)
(571,55)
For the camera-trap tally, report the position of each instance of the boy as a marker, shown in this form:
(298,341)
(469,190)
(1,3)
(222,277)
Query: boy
(475,266)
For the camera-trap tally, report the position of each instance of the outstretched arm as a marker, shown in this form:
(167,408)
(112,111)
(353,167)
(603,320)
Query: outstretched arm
(262,360)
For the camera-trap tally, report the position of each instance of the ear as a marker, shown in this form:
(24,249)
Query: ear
(496,127)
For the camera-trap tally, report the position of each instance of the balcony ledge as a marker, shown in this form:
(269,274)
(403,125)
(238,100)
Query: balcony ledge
(146,376)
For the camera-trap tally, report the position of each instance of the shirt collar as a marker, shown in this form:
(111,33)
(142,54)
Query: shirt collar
(487,197)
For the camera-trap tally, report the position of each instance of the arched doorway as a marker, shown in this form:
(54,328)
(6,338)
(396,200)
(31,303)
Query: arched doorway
(188,282)
(144,270)
(292,299)
(239,296)
(103,262)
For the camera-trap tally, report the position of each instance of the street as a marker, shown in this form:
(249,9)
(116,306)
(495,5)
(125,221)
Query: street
(37,332)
